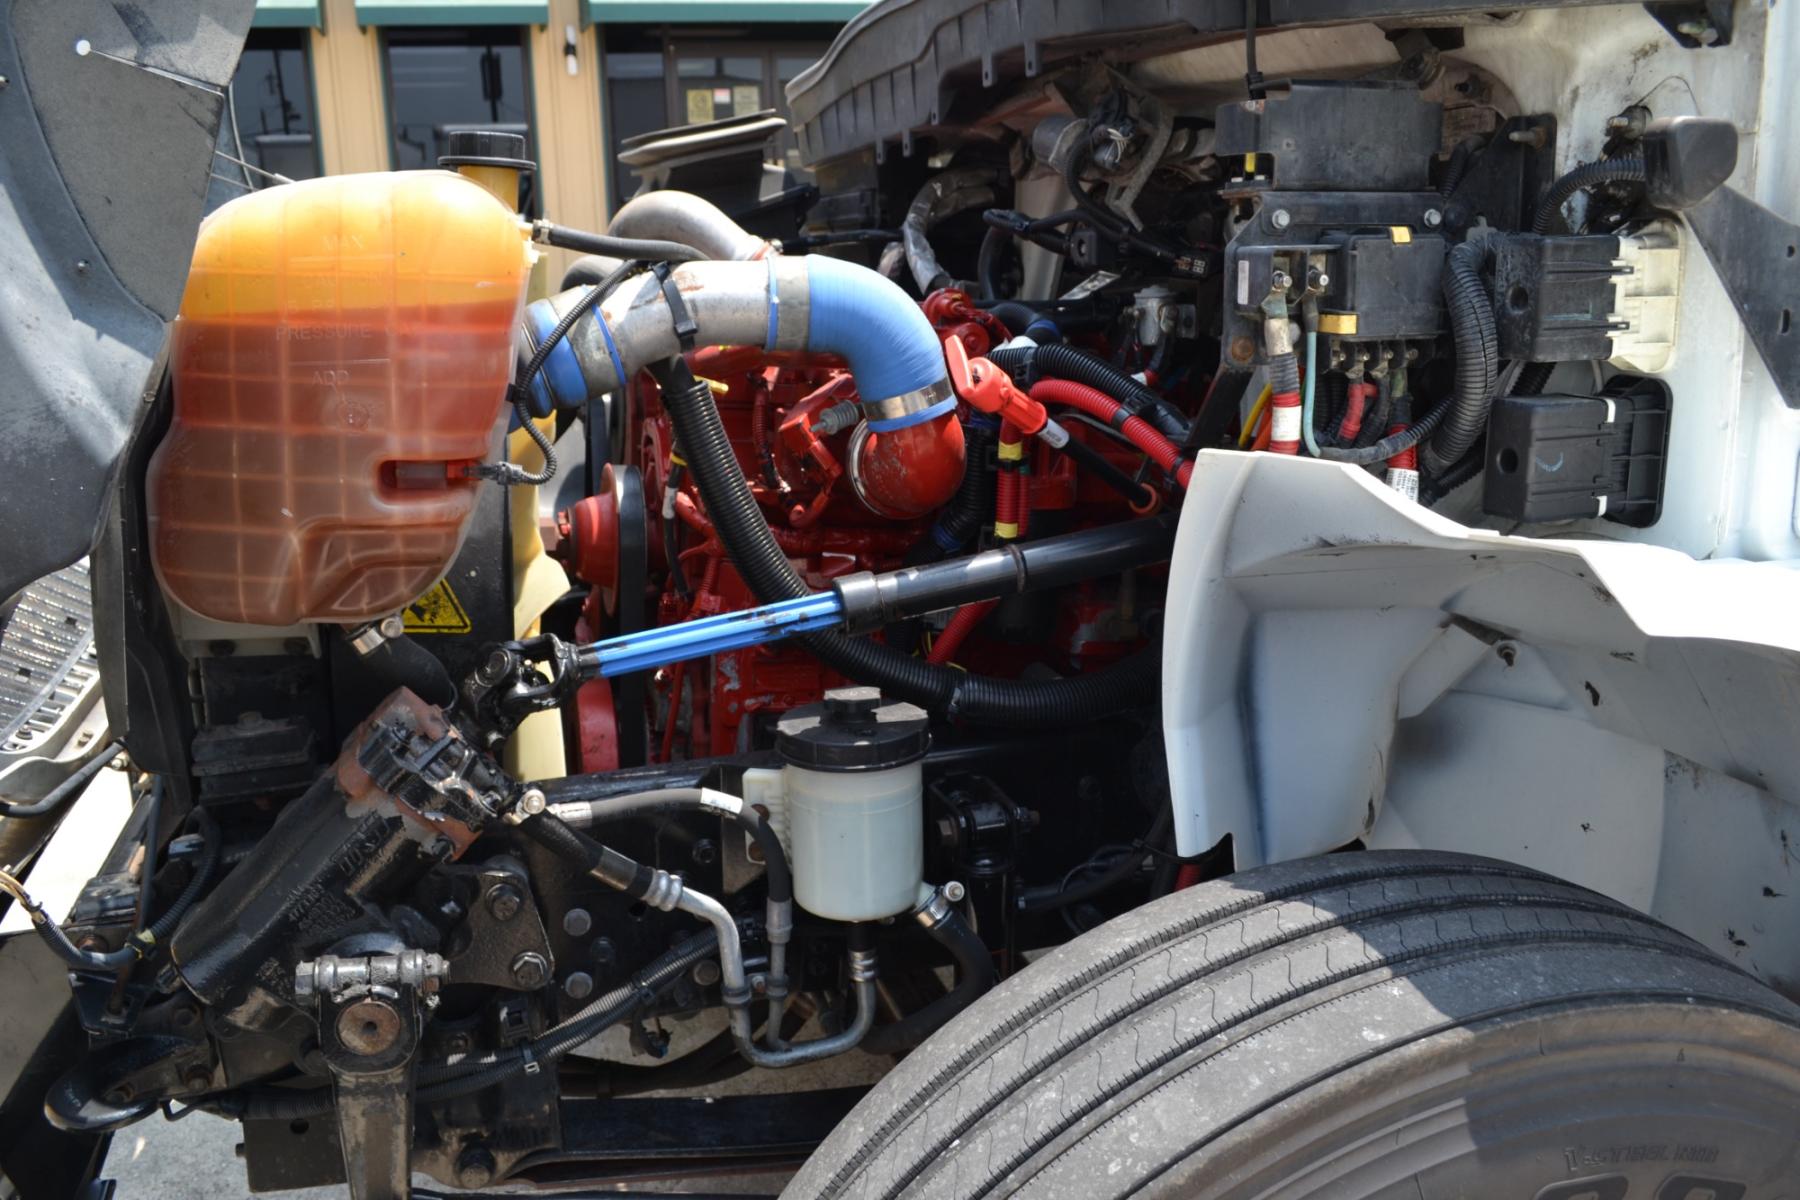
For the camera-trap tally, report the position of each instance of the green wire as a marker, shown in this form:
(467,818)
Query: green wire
(1306,403)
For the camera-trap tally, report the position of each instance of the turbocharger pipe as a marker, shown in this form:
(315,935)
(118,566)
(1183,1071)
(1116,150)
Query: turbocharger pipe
(689,219)
(812,304)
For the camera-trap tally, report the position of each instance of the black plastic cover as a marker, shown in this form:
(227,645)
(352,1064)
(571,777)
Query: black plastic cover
(853,729)
(1687,159)
(1366,135)
(1554,297)
(1561,458)
(1395,289)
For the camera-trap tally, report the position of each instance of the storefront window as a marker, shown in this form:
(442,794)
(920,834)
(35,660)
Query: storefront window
(443,80)
(269,123)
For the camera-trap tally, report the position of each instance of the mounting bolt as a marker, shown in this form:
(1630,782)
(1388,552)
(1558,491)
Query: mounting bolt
(577,922)
(1433,218)
(475,1167)
(578,985)
(504,901)
(1281,218)
(1700,29)
(530,970)
(954,891)
(196,1079)
(81,266)
(532,802)
(706,972)
(604,952)
(1533,137)
(706,852)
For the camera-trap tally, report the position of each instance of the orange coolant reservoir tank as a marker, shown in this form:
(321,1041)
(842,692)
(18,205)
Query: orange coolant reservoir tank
(343,348)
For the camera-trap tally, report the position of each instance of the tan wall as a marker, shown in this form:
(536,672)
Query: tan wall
(353,127)
(347,85)
(572,161)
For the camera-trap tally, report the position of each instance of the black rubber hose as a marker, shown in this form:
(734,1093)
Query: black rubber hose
(968,510)
(765,567)
(576,848)
(670,801)
(987,261)
(649,249)
(212,847)
(1017,317)
(974,975)
(69,788)
(401,662)
(1628,169)
(1088,458)
(1066,362)
(1047,900)
(1477,357)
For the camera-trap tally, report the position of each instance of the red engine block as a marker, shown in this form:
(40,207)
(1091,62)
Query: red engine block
(772,405)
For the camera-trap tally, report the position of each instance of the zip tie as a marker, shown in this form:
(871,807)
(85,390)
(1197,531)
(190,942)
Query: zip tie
(685,329)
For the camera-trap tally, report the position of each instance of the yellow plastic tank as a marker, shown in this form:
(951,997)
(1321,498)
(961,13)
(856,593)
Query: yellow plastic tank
(341,355)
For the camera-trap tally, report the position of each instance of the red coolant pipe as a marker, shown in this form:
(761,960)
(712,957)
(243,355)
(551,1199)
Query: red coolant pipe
(1136,430)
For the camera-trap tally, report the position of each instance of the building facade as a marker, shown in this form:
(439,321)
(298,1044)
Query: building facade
(340,86)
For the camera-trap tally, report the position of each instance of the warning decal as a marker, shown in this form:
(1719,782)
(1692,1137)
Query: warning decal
(437,611)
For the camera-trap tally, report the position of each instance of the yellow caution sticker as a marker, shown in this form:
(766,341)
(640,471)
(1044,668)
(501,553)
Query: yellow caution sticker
(437,611)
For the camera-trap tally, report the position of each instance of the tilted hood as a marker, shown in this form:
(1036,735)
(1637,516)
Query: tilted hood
(108,115)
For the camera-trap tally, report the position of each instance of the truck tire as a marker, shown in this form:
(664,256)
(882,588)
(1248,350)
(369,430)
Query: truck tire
(1393,1024)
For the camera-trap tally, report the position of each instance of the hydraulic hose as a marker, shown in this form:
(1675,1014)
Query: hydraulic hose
(669,801)
(576,848)
(212,847)
(1477,357)
(974,975)
(1164,453)
(648,249)
(1628,169)
(771,576)
(1066,362)
(69,788)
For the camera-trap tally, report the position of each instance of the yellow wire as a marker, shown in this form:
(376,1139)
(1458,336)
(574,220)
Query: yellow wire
(1248,433)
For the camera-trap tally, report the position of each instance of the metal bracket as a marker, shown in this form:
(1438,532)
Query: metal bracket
(1757,256)
(369,1021)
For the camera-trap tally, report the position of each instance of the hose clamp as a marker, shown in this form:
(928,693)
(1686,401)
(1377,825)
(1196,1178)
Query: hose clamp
(935,911)
(862,966)
(911,408)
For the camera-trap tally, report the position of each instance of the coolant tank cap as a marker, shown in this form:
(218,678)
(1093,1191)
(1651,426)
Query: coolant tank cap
(853,729)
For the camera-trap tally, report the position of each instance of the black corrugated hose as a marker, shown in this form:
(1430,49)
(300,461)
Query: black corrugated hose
(971,507)
(1477,358)
(1629,169)
(765,567)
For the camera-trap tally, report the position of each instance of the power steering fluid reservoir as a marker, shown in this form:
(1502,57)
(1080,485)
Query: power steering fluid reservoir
(855,799)
(342,353)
